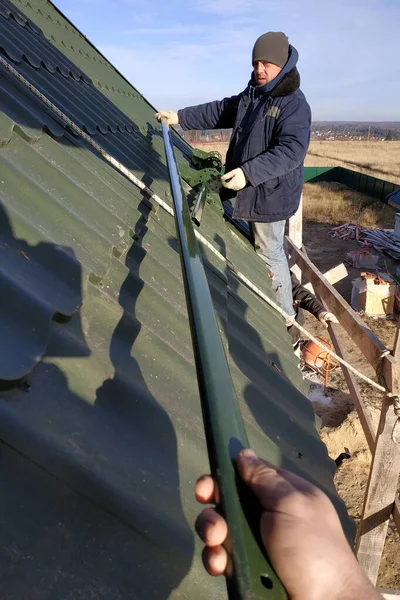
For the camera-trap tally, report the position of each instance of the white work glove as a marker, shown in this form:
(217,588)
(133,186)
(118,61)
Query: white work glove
(168,116)
(327,317)
(234,180)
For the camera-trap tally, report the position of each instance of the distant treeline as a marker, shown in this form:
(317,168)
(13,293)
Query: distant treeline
(374,131)
(323,130)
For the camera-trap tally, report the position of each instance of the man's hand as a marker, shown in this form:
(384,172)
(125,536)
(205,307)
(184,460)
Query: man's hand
(300,529)
(168,116)
(327,317)
(234,180)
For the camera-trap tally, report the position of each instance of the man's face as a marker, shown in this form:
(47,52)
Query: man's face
(265,72)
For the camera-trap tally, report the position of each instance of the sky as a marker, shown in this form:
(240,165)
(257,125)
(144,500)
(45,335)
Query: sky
(183,52)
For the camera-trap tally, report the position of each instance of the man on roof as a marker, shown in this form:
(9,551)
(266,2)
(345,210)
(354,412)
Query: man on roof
(271,122)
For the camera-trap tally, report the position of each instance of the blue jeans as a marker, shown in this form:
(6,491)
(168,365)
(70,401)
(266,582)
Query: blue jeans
(268,243)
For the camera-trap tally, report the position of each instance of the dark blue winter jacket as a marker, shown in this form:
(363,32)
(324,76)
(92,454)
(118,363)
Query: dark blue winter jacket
(271,132)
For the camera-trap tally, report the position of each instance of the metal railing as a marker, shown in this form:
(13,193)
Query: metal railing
(252,575)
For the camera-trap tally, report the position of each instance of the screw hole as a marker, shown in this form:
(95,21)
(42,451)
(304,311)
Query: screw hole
(266,582)
(26,385)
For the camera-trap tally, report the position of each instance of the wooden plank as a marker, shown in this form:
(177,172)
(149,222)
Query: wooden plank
(391,374)
(389,594)
(396,355)
(336,274)
(380,494)
(361,411)
(354,390)
(396,513)
(333,276)
(395,386)
(296,233)
(296,226)
(368,343)
(396,346)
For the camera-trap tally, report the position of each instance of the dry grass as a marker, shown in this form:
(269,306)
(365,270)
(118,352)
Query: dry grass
(335,203)
(379,159)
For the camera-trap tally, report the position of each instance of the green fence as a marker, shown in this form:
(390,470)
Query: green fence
(377,188)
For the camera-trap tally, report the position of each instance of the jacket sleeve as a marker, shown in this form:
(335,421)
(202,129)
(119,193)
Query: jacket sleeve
(220,114)
(305,299)
(288,147)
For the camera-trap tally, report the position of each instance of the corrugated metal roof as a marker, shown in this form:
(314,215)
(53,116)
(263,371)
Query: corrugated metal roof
(100,415)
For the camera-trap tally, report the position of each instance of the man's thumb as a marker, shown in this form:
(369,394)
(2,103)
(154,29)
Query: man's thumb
(266,483)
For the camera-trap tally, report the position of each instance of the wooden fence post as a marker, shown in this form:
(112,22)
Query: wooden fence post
(382,482)
(296,233)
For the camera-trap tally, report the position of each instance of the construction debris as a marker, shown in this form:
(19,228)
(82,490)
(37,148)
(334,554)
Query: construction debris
(374,294)
(362,258)
(348,231)
(382,240)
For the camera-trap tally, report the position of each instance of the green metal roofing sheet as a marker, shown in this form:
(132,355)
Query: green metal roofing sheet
(100,419)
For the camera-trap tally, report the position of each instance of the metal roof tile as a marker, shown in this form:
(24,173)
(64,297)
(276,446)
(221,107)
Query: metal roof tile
(48,521)
(33,46)
(113,409)
(30,120)
(6,128)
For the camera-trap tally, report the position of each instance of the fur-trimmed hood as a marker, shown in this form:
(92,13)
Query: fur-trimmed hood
(287,85)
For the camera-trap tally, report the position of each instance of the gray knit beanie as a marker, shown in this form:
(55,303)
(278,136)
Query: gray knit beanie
(272,47)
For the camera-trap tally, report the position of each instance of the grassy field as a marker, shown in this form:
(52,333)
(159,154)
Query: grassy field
(335,203)
(379,159)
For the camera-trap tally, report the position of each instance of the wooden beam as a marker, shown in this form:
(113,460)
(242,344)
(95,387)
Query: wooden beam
(389,594)
(368,343)
(332,276)
(361,410)
(354,390)
(380,494)
(391,374)
(336,274)
(296,233)
(396,356)
(396,345)
(396,513)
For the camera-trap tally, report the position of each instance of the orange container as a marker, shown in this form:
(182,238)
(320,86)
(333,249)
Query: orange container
(319,360)
(316,358)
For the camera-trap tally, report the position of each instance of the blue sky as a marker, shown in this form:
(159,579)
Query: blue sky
(183,52)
